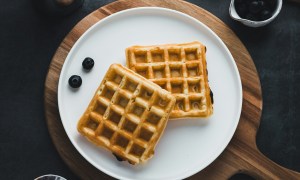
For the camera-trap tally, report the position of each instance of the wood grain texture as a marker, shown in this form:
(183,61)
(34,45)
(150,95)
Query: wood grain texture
(241,155)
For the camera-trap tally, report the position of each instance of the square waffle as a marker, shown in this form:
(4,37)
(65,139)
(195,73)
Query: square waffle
(127,115)
(180,69)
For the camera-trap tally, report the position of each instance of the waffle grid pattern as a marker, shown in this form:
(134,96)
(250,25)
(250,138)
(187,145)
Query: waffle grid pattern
(180,69)
(127,115)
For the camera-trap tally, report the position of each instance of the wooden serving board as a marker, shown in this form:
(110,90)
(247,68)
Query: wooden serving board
(241,155)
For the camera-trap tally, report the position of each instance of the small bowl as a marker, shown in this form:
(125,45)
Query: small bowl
(234,15)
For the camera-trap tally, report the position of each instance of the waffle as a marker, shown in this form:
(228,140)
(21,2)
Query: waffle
(180,69)
(127,115)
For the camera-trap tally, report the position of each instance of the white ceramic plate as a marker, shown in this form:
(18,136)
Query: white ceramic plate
(187,146)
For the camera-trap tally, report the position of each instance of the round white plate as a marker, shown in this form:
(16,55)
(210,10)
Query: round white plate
(187,146)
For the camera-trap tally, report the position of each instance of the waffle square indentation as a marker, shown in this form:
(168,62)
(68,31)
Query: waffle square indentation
(159,72)
(177,87)
(193,70)
(114,117)
(107,132)
(194,86)
(141,56)
(121,141)
(191,54)
(174,55)
(195,104)
(161,102)
(179,105)
(130,85)
(122,101)
(137,109)
(176,71)
(145,134)
(145,93)
(157,56)
(137,150)
(129,126)
(107,93)
(92,124)
(153,119)
(100,108)
(143,71)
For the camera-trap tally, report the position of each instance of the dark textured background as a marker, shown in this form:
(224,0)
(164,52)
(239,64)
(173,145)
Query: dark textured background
(29,40)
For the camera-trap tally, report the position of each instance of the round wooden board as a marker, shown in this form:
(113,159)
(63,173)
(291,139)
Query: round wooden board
(241,155)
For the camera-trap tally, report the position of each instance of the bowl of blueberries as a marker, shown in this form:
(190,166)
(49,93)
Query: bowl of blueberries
(254,13)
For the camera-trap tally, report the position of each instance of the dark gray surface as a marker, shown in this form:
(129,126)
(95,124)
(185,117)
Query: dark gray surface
(29,40)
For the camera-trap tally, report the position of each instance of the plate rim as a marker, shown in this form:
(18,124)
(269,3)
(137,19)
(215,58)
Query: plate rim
(193,170)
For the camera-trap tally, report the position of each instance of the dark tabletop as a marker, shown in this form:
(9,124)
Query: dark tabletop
(28,41)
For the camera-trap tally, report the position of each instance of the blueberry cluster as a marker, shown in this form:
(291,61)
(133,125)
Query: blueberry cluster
(255,10)
(75,81)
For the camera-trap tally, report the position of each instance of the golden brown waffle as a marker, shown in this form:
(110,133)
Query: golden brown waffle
(127,115)
(180,69)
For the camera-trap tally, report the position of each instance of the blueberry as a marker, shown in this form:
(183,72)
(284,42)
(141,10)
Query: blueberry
(88,63)
(265,14)
(118,157)
(254,7)
(75,81)
(272,3)
(211,96)
(261,4)
(251,17)
(249,2)
(242,10)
